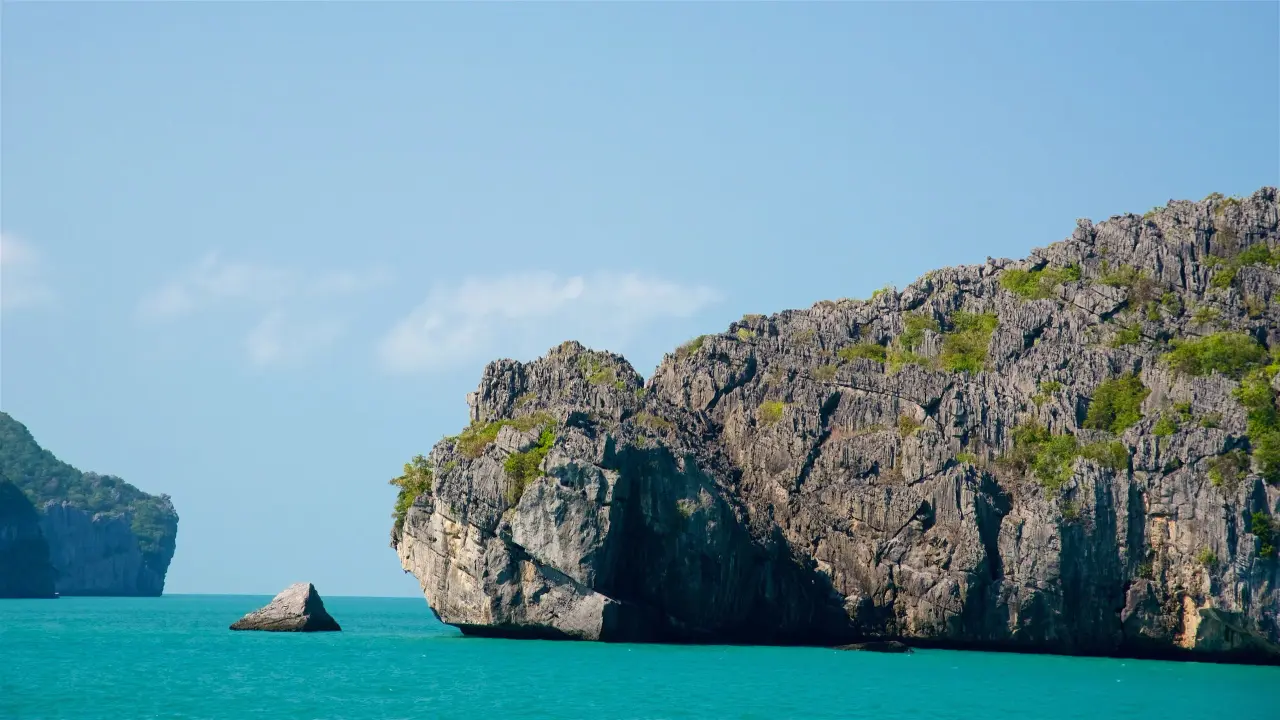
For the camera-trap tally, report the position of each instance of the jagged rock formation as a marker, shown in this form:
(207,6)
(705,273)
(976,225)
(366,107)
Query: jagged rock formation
(25,571)
(1072,453)
(104,536)
(298,608)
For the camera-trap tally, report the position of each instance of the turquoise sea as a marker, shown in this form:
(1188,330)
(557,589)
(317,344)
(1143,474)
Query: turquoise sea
(173,657)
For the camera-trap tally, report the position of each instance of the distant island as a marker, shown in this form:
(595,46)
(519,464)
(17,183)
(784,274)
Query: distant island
(1074,453)
(76,533)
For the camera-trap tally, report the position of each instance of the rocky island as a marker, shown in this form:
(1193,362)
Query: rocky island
(1078,452)
(92,534)
(298,608)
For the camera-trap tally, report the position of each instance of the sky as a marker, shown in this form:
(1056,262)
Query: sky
(254,255)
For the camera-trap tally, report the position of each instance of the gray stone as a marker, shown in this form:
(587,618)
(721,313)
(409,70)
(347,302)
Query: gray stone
(298,608)
(98,553)
(880,646)
(763,488)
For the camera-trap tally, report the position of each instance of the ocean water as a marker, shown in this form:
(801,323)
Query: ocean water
(173,657)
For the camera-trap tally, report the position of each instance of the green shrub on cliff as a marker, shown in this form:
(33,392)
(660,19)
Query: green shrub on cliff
(1049,458)
(1263,419)
(1226,469)
(865,351)
(1231,353)
(478,436)
(1207,558)
(770,412)
(1165,426)
(1264,528)
(964,347)
(415,481)
(1228,268)
(914,325)
(653,422)
(1116,404)
(1113,455)
(691,347)
(896,358)
(523,467)
(1038,284)
(825,373)
(1127,335)
(598,372)
(907,425)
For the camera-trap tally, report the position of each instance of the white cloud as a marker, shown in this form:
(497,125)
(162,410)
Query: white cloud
(524,314)
(213,282)
(275,340)
(22,282)
(296,312)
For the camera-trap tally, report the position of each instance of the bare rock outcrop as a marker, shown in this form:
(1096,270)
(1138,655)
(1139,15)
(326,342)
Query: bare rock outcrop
(1077,453)
(298,608)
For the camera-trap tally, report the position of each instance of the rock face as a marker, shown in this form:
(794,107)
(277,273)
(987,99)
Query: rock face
(104,536)
(25,571)
(1073,453)
(298,608)
(98,553)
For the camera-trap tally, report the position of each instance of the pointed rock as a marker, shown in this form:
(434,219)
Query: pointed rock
(298,608)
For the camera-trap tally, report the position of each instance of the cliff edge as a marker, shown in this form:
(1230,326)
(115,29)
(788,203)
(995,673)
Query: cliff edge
(103,535)
(1078,453)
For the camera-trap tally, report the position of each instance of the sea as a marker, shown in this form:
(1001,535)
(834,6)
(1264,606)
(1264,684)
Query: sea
(174,657)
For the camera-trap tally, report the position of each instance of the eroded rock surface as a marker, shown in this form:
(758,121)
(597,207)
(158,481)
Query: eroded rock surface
(298,608)
(871,470)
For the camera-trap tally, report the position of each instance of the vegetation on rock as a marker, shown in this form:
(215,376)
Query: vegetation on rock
(770,411)
(1051,458)
(1038,284)
(1264,528)
(1226,469)
(939,474)
(523,467)
(478,436)
(415,481)
(653,422)
(1140,289)
(1116,404)
(866,351)
(691,347)
(964,348)
(1228,268)
(42,477)
(1258,396)
(1231,353)
(914,327)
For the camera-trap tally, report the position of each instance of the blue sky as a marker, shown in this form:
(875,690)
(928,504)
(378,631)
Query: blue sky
(255,254)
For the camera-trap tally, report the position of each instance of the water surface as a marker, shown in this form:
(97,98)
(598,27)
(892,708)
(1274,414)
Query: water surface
(173,657)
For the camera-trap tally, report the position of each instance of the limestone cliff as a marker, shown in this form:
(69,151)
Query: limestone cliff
(103,536)
(25,571)
(1077,452)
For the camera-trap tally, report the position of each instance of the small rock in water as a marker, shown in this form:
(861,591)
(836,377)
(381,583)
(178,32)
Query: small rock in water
(298,608)
(884,646)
